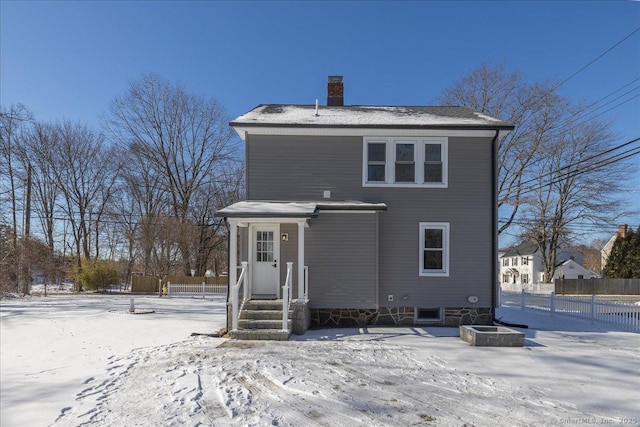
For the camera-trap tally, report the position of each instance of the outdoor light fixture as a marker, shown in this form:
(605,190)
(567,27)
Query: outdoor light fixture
(284,237)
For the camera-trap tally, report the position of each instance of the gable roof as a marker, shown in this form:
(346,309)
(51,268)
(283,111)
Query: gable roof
(402,117)
(522,249)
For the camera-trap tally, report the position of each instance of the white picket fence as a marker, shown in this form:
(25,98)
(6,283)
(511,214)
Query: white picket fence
(200,289)
(625,315)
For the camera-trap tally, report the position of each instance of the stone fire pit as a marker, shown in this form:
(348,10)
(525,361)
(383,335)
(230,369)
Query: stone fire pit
(491,336)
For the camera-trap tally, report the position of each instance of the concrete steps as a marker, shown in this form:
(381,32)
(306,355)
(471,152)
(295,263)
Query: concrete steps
(262,320)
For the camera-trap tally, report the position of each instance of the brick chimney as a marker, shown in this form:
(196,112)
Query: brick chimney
(622,231)
(335,91)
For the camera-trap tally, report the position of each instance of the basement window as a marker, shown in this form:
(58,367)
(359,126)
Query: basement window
(428,314)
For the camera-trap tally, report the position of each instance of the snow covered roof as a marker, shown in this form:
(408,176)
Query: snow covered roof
(284,209)
(280,115)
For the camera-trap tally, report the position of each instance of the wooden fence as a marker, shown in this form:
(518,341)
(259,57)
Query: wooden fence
(598,286)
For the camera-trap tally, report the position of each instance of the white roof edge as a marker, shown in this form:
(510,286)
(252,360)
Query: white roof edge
(279,209)
(346,131)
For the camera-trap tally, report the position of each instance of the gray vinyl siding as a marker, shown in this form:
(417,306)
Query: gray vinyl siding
(341,252)
(301,168)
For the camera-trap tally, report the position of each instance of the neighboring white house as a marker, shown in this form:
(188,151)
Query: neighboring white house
(521,267)
(606,250)
(570,269)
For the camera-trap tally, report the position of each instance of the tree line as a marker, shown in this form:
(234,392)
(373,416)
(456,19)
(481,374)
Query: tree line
(141,192)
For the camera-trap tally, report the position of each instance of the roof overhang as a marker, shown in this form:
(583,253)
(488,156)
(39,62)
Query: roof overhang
(307,130)
(293,210)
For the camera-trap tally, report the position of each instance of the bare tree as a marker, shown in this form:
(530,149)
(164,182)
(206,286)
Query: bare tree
(36,151)
(550,173)
(573,186)
(12,125)
(493,90)
(85,170)
(182,137)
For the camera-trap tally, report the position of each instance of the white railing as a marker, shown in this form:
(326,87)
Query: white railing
(286,297)
(235,295)
(203,289)
(586,307)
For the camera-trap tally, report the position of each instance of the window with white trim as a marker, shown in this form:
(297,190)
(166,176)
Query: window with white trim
(434,249)
(376,161)
(405,162)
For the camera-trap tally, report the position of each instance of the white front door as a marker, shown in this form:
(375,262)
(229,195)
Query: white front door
(265,263)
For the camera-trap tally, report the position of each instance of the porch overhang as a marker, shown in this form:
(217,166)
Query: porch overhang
(284,210)
(249,213)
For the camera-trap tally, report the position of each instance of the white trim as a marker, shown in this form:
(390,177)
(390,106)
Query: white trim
(419,160)
(445,227)
(301,262)
(322,211)
(245,222)
(243,131)
(276,253)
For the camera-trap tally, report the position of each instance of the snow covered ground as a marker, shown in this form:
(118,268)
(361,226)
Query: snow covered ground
(70,360)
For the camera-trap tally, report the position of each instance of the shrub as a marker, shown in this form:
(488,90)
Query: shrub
(99,275)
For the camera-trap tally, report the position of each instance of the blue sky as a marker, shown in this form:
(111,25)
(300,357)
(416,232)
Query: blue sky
(68,60)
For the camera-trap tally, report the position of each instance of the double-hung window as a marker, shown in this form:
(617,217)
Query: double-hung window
(434,249)
(376,161)
(405,170)
(405,162)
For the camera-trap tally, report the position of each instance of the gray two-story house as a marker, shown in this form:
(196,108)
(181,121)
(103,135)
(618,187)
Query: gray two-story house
(386,215)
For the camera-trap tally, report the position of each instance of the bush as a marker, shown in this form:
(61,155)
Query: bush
(98,276)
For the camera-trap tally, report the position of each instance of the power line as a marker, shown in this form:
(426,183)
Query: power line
(556,171)
(613,159)
(554,88)
(596,59)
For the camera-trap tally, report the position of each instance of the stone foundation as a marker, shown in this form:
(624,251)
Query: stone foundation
(397,316)
(456,316)
(301,318)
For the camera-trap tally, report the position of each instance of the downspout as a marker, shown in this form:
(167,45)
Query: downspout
(494,222)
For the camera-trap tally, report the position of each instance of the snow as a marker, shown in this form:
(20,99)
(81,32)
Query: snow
(364,115)
(292,209)
(269,208)
(71,360)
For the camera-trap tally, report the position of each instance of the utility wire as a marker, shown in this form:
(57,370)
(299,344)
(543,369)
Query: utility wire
(554,172)
(596,59)
(554,88)
(599,165)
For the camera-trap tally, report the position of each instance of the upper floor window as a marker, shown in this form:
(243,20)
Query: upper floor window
(525,260)
(434,249)
(505,262)
(376,161)
(514,262)
(405,162)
